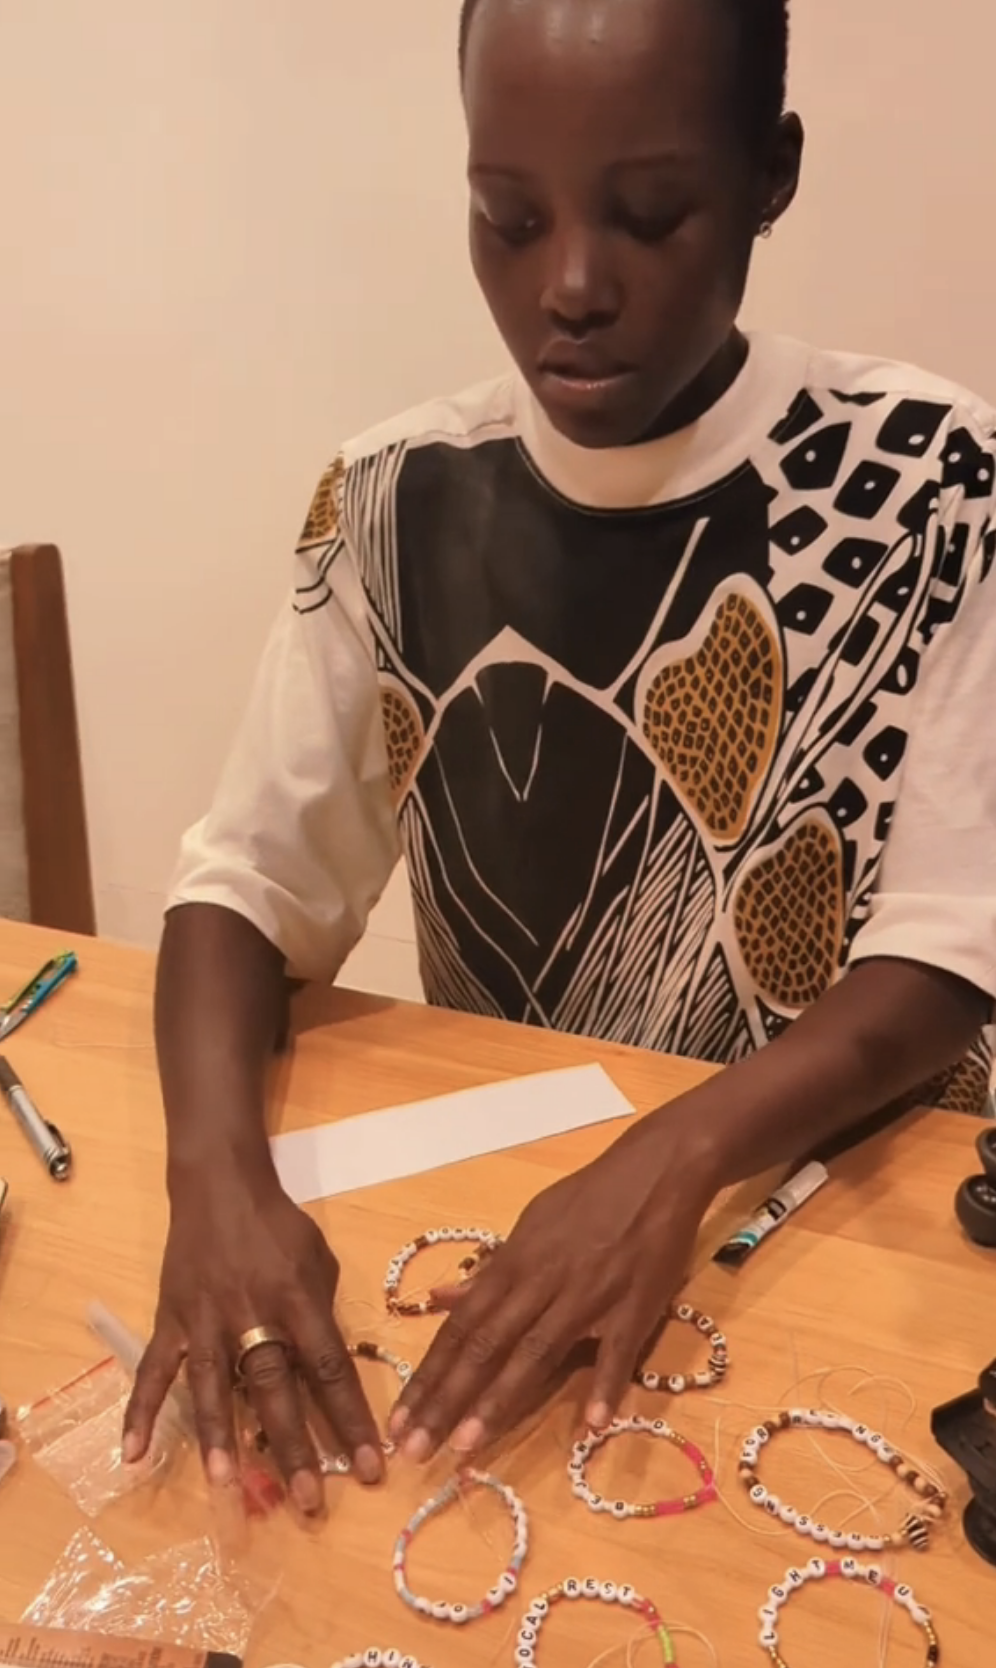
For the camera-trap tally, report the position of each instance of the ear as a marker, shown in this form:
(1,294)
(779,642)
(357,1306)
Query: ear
(782,170)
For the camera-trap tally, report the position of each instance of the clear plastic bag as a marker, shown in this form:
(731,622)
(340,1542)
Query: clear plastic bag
(181,1596)
(75,1435)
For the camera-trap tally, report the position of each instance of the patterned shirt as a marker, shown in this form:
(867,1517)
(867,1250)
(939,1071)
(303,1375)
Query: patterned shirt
(667,735)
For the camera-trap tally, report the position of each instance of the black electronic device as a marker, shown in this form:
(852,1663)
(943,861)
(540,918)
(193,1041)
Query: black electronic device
(975,1201)
(966,1430)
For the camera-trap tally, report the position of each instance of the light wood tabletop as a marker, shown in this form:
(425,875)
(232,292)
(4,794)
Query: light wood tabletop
(872,1280)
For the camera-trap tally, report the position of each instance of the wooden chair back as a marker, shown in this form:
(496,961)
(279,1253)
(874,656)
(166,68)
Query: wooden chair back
(44,851)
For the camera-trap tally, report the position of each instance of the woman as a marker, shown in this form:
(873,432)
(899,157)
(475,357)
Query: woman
(667,661)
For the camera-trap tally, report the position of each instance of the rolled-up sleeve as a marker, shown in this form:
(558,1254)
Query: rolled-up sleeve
(935,900)
(302,837)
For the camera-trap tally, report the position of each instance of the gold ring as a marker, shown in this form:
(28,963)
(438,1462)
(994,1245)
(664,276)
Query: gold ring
(254,1339)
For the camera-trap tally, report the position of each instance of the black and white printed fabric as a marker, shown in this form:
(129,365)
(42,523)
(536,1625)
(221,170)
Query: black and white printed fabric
(668,736)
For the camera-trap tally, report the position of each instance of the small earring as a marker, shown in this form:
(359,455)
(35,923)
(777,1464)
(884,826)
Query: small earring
(766,229)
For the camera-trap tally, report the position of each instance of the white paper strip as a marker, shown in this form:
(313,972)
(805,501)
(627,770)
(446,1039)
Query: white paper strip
(408,1140)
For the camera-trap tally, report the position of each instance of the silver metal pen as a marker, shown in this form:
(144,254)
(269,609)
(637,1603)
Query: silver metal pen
(53,1151)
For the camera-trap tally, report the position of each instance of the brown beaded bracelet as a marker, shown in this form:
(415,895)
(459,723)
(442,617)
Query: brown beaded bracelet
(916,1527)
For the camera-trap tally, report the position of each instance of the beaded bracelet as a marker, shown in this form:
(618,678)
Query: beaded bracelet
(572,1588)
(374,1658)
(719,1360)
(915,1528)
(850,1570)
(507,1582)
(340,1465)
(622,1509)
(487,1243)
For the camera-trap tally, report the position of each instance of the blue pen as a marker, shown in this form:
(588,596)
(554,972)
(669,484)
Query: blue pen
(35,992)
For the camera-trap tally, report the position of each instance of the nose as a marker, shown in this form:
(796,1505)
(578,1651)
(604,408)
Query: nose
(580,294)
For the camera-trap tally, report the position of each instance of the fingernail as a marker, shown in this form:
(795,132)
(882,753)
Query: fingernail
(219,1467)
(368,1465)
(418,1447)
(599,1416)
(131,1447)
(306,1492)
(468,1436)
(398,1423)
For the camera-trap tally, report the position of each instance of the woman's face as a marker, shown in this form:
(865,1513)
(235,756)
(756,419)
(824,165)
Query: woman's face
(614,205)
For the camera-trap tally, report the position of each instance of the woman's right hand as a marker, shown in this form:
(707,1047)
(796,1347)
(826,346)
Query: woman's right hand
(238,1258)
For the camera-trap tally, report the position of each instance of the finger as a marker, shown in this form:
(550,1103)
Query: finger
(468,1354)
(619,1351)
(156,1373)
(209,1379)
(335,1385)
(532,1373)
(487,1293)
(446,1298)
(275,1395)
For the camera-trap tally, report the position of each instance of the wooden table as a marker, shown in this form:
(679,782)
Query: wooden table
(873,1276)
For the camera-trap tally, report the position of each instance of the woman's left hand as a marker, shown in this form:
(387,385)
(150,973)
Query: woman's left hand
(598,1255)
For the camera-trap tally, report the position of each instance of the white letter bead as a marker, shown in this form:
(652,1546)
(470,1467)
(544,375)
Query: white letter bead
(837,1540)
(676,1384)
(541,1606)
(849,1568)
(920,1614)
(816,1568)
(626,1595)
(773,1505)
(788,1515)
(572,1588)
(373,1658)
(684,1312)
(778,1595)
(459,1613)
(759,1494)
(423,1606)
(508,1582)
(760,1436)
(527,1635)
(392,1659)
(768,1613)
(525,1655)
(496,1596)
(795,1578)
(607,1591)
(441,1611)
(768,1638)
(651,1381)
(856,1543)
(804,1524)
(904,1595)
(590,1588)
(873,1575)
(820,1532)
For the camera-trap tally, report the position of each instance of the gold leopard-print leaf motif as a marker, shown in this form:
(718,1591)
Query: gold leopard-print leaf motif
(404,734)
(713,718)
(322,524)
(788,915)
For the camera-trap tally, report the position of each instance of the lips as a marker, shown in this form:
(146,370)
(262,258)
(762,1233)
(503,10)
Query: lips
(583,368)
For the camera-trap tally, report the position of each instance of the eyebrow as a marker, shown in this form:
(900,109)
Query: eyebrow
(646,163)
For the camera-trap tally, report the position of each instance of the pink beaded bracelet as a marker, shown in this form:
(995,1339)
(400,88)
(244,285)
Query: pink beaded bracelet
(849,1570)
(441,1610)
(622,1509)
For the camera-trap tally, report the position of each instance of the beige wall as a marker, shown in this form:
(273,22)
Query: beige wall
(233,234)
